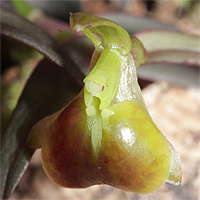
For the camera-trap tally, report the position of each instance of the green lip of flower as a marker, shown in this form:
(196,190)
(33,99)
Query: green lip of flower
(107,126)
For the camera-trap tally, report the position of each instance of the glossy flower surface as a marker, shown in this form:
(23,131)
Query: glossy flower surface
(105,135)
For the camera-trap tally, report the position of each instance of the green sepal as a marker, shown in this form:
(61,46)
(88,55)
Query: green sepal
(138,51)
(109,32)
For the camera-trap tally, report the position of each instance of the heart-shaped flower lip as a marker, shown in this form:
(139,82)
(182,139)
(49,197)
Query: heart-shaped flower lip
(106,135)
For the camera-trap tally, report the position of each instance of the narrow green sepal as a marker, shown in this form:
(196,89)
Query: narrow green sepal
(110,33)
(138,51)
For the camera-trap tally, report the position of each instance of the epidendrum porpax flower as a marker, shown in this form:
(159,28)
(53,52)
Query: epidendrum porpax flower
(106,135)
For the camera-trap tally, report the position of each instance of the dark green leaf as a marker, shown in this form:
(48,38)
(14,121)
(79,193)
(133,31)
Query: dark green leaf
(47,90)
(18,28)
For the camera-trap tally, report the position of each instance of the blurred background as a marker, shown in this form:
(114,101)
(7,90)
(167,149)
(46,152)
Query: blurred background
(171,93)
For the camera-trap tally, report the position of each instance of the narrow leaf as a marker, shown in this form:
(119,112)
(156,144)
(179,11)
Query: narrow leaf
(175,73)
(155,40)
(18,28)
(47,90)
(174,56)
(171,47)
(134,24)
